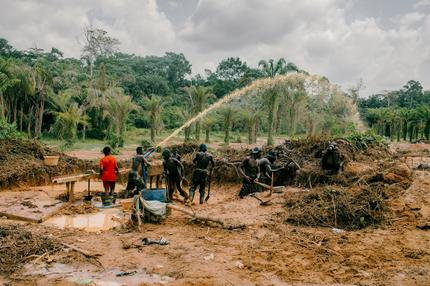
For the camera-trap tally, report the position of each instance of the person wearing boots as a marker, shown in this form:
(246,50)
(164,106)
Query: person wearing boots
(201,161)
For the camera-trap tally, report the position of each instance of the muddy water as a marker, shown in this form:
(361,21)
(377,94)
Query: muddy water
(103,220)
(108,277)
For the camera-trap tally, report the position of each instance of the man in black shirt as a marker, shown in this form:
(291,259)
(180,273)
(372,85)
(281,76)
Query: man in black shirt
(201,161)
(173,170)
(250,170)
(266,169)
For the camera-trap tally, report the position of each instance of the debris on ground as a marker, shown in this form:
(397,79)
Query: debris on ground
(161,241)
(77,209)
(337,208)
(29,204)
(19,246)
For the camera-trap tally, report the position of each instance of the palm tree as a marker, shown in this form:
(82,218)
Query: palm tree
(154,105)
(7,80)
(251,118)
(271,68)
(117,109)
(404,115)
(67,121)
(424,113)
(208,123)
(228,115)
(199,96)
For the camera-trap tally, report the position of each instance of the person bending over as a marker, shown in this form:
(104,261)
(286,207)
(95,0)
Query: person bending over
(250,170)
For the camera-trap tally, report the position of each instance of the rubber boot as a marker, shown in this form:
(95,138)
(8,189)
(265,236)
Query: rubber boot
(191,196)
(202,198)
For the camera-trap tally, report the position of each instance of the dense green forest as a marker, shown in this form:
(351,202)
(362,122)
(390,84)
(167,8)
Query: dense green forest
(105,92)
(402,114)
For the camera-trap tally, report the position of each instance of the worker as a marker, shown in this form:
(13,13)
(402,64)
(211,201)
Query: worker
(331,159)
(108,171)
(201,162)
(250,170)
(137,175)
(266,169)
(173,170)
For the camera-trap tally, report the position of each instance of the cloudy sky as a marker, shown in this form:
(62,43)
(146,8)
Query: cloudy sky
(384,42)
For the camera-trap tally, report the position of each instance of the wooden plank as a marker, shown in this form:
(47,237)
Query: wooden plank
(18,217)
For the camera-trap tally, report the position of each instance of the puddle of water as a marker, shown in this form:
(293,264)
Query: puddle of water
(88,222)
(87,277)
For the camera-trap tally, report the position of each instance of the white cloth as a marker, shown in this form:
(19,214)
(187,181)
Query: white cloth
(155,207)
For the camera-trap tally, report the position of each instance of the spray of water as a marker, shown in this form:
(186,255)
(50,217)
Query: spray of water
(264,84)
(235,94)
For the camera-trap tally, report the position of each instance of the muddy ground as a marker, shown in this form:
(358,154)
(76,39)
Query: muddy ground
(269,251)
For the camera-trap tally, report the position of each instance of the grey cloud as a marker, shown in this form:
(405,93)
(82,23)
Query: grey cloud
(382,41)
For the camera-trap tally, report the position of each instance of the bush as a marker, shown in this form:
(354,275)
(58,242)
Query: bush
(146,144)
(8,131)
(364,140)
(115,141)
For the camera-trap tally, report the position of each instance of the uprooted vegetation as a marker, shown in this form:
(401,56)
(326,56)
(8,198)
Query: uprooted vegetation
(337,208)
(20,245)
(21,162)
(353,198)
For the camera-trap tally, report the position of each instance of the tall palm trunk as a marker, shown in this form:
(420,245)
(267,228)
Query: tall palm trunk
(187,134)
(227,134)
(40,118)
(198,127)
(2,107)
(208,132)
(250,127)
(270,140)
(30,117)
(21,117)
(255,131)
(405,129)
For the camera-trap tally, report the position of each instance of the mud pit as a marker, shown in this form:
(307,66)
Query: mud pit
(268,251)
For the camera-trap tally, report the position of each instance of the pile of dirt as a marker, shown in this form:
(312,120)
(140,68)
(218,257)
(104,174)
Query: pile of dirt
(71,209)
(338,208)
(300,160)
(21,162)
(19,246)
(183,149)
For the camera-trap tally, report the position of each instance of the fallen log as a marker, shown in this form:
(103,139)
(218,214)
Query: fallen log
(206,218)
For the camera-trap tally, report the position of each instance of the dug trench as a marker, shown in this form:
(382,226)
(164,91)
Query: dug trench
(365,225)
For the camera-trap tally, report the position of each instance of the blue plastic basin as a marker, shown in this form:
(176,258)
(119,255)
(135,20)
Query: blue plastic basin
(154,195)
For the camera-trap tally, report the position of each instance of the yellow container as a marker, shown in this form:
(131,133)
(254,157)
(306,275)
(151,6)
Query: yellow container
(51,160)
(126,204)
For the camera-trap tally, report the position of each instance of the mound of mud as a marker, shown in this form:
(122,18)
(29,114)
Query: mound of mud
(21,163)
(300,160)
(19,246)
(70,209)
(337,208)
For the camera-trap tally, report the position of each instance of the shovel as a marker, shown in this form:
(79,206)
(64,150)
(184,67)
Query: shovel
(277,189)
(262,203)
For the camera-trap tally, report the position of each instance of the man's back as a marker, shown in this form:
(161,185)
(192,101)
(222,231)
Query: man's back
(171,166)
(137,162)
(250,167)
(202,160)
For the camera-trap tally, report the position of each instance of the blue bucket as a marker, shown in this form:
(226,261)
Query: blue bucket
(154,195)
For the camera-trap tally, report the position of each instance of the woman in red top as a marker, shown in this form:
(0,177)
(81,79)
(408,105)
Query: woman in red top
(108,171)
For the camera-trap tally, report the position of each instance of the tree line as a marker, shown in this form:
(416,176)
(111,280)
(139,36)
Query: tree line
(402,114)
(105,91)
